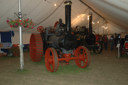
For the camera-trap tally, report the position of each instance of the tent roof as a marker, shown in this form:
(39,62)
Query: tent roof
(113,13)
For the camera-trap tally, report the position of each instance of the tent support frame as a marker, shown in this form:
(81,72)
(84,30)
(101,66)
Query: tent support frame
(21,40)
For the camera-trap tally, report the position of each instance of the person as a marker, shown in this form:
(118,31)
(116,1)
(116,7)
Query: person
(105,41)
(116,39)
(112,42)
(126,42)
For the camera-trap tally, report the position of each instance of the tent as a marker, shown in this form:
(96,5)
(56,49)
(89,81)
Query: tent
(109,16)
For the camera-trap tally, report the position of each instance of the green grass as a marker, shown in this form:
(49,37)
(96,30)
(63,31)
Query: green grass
(7,57)
(24,71)
(92,53)
(70,69)
(38,63)
(41,62)
(124,56)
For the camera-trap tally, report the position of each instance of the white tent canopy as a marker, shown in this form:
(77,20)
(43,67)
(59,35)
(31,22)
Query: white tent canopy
(113,14)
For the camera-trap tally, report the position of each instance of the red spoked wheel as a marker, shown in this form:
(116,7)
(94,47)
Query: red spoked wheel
(36,47)
(51,60)
(83,55)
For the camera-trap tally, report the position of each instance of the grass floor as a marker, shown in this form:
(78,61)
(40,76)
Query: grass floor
(105,69)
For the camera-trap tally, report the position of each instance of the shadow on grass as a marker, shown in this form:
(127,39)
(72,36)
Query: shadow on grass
(70,69)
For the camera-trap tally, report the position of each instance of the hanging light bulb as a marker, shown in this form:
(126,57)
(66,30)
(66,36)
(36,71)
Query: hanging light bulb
(54,4)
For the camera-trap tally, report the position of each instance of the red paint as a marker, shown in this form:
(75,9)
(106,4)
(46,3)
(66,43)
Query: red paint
(36,47)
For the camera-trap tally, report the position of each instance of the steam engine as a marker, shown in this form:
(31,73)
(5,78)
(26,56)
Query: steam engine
(58,44)
(88,39)
(59,38)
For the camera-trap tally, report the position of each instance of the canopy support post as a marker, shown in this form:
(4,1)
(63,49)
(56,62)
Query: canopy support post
(20,36)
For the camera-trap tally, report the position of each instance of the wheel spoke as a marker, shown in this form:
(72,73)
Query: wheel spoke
(52,58)
(81,52)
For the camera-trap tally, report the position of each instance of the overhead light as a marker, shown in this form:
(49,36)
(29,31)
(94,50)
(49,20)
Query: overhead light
(106,28)
(98,22)
(78,16)
(93,22)
(88,17)
(54,4)
(82,15)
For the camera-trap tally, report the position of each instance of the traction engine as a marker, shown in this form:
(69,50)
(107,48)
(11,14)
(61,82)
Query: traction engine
(58,44)
(88,39)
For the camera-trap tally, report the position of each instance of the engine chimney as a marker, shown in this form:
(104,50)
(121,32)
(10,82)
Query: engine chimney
(90,23)
(68,15)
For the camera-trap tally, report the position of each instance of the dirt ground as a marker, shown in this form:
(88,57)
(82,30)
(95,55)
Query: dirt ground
(105,69)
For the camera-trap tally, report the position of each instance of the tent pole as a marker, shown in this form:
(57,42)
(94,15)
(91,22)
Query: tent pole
(20,34)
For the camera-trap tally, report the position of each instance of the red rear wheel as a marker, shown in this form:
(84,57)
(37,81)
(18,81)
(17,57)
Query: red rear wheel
(51,60)
(83,60)
(36,47)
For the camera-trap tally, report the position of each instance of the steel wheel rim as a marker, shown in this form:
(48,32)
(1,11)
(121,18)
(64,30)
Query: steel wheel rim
(51,60)
(81,52)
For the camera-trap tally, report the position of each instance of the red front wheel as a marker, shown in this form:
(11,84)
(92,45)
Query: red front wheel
(83,55)
(51,60)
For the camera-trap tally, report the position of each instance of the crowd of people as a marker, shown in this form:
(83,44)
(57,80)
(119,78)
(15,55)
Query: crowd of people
(111,42)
